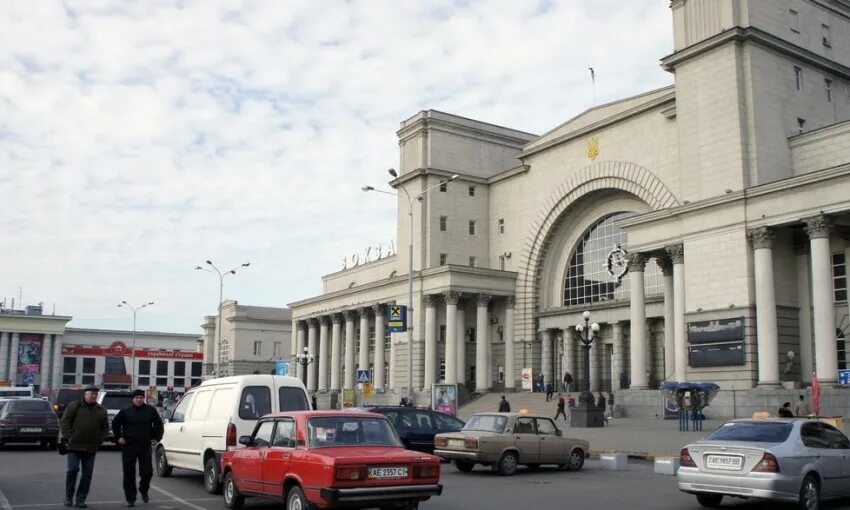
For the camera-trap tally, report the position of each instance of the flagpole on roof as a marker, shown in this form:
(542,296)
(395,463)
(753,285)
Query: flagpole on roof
(593,84)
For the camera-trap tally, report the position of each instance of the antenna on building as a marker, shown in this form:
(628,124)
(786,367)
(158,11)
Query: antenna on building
(593,84)
(21,295)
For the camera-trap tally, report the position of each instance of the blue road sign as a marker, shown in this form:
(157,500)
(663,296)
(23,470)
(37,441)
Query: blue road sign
(397,318)
(281,367)
(844,377)
(363,376)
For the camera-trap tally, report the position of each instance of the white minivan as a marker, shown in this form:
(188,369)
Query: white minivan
(211,417)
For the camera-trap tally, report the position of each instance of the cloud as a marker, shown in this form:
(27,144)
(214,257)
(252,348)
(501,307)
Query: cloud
(138,139)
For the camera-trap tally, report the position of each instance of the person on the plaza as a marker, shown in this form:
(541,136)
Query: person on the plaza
(571,401)
(561,404)
(611,403)
(785,411)
(85,424)
(601,403)
(403,402)
(504,406)
(802,407)
(136,428)
(568,382)
(550,391)
(315,403)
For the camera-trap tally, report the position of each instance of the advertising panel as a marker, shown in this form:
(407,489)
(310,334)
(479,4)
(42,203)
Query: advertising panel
(526,379)
(444,398)
(29,358)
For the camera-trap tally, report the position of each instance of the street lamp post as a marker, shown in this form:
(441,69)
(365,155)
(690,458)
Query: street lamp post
(419,196)
(221,276)
(124,304)
(587,414)
(304,359)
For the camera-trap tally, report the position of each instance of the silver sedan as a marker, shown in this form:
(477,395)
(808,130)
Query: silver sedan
(784,459)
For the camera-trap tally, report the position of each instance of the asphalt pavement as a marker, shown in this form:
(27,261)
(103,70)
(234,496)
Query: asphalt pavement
(33,479)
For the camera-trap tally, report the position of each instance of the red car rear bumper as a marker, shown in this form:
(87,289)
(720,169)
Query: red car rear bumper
(380,493)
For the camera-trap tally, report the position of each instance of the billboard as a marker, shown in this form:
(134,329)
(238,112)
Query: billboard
(444,398)
(29,358)
(716,343)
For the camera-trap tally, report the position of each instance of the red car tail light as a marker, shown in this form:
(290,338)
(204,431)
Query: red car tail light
(470,443)
(351,473)
(426,471)
(767,464)
(440,441)
(230,436)
(685,459)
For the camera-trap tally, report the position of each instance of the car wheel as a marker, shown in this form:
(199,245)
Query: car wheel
(296,500)
(809,494)
(211,483)
(709,500)
(575,461)
(507,464)
(464,466)
(232,498)
(163,469)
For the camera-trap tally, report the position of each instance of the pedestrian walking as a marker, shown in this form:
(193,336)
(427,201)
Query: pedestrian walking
(504,406)
(549,391)
(802,408)
(85,424)
(785,411)
(561,404)
(601,403)
(568,382)
(136,429)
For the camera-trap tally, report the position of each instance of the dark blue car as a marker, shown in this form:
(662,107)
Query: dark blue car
(417,427)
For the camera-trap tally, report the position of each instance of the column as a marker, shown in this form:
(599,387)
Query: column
(618,366)
(364,338)
(312,350)
(666,264)
(46,365)
(4,355)
(680,340)
(510,370)
(430,302)
(482,372)
(637,307)
(819,229)
(349,381)
(461,345)
(293,344)
(13,359)
(546,355)
(451,297)
(570,355)
(57,362)
(299,341)
(380,333)
(324,322)
(767,332)
(336,350)
(804,294)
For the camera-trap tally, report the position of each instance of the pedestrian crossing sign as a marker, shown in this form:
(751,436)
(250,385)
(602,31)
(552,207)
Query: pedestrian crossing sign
(362,376)
(397,318)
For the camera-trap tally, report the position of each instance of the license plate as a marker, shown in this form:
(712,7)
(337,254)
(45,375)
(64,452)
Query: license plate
(456,442)
(32,429)
(388,472)
(724,462)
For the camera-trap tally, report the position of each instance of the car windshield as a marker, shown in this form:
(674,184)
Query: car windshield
(767,432)
(117,402)
(487,423)
(350,431)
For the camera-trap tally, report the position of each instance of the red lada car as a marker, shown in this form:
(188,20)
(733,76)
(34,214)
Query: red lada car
(328,459)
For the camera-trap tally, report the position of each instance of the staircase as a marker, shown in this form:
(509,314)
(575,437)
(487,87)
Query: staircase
(534,402)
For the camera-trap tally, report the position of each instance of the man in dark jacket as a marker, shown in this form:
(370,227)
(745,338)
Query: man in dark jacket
(136,428)
(85,424)
(504,407)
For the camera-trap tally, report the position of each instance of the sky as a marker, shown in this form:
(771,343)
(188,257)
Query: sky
(140,139)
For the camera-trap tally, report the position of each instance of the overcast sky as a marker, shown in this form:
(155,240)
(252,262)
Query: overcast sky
(139,139)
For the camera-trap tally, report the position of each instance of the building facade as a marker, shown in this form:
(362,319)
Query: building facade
(703,225)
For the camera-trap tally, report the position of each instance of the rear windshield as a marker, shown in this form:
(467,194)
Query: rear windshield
(487,423)
(350,431)
(292,399)
(757,432)
(117,401)
(29,406)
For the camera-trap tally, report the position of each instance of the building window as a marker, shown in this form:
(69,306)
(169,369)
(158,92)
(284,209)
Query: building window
(825,33)
(276,349)
(443,368)
(144,381)
(442,336)
(472,261)
(472,227)
(470,335)
(179,383)
(444,186)
(444,259)
(798,77)
(371,338)
(162,367)
(801,123)
(587,279)
(828,85)
(839,277)
(197,368)
(794,20)
(472,191)
(144,366)
(258,348)
(501,225)
(88,380)
(179,369)
(69,365)
(501,262)
(444,223)
(162,381)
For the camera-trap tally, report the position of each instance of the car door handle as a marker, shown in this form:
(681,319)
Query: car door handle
(181,428)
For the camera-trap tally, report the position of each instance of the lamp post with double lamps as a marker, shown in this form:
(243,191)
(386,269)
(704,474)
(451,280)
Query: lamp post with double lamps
(587,414)
(419,196)
(304,359)
(124,304)
(216,271)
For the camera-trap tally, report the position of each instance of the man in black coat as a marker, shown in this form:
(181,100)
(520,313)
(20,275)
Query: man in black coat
(136,429)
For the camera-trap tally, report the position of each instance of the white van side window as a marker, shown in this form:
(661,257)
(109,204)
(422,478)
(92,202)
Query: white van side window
(292,398)
(202,406)
(256,401)
(222,406)
(182,408)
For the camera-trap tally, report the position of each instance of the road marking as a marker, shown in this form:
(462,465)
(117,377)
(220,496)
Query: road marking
(4,503)
(177,498)
(38,505)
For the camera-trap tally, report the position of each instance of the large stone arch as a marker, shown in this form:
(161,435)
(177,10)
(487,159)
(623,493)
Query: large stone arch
(617,175)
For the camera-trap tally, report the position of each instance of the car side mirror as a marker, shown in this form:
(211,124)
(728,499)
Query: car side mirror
(245,440)
(559,432)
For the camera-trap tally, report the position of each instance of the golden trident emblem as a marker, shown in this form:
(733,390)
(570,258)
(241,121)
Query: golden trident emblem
(592,148)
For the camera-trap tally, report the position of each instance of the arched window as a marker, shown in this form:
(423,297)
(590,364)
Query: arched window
(588,279)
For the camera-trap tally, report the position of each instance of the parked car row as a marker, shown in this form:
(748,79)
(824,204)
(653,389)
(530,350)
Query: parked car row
(28,420)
